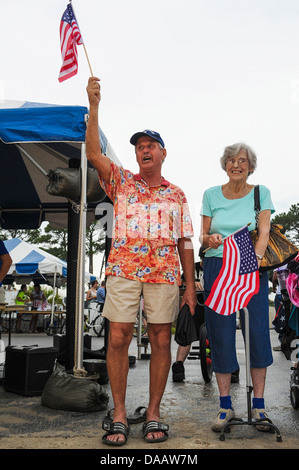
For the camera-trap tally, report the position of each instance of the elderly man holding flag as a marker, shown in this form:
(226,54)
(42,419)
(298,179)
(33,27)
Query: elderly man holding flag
(151,237)
(232,280)
(151,240)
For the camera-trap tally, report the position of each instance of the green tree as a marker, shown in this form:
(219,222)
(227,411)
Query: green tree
(290,222)
(95,242)
(55,241)
(29,236)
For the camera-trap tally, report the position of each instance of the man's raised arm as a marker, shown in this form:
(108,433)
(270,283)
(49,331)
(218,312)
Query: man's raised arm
(93,145)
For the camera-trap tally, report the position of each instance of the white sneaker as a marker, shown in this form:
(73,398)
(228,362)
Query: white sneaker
(260,413)
(222,418)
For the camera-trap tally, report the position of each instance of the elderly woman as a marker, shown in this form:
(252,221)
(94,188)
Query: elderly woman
(226,209)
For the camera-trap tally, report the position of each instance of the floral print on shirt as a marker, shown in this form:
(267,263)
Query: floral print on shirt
(148,221)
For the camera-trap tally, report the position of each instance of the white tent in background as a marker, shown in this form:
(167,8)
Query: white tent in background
(32,263)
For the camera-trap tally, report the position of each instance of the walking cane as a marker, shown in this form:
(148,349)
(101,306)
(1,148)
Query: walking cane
(249,388)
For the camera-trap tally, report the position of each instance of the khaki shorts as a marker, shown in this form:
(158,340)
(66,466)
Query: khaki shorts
(122,302)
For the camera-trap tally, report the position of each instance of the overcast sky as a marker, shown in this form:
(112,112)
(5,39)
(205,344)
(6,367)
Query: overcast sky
(203,73)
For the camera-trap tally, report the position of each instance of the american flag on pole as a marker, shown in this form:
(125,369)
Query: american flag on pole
(238,279)
(70,36)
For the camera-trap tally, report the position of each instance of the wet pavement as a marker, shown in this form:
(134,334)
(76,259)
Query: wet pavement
(188,407)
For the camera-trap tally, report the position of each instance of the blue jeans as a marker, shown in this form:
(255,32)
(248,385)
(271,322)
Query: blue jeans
(221,330)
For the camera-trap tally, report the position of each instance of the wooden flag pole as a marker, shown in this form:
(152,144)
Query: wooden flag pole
(83,42)
(87,59)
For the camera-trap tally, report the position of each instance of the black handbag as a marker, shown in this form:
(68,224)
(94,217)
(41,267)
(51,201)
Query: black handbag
(279,250)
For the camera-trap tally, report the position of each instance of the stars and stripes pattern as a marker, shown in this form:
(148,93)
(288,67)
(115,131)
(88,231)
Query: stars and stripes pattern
(238,279)
(70,36)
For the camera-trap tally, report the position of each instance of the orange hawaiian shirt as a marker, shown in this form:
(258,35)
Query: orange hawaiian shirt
(147,223)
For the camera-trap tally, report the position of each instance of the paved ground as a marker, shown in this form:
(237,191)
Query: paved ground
(188,408)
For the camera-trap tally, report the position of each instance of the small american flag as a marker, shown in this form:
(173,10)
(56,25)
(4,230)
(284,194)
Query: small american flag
(238,279)
(69,36)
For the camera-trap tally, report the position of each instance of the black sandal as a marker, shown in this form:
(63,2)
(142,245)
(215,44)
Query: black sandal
(155,426)
(115,428)
(139,415)
(109,415)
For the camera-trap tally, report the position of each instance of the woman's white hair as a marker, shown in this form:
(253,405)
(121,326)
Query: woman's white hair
(232,150)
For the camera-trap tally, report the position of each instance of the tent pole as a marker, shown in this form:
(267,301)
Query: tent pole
(78,368)
(32,160)
(72,263)
(53,303)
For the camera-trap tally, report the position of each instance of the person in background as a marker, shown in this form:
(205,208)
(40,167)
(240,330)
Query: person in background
(5,261)
(178,368)
(92,293)
(37,298)
(2,294)
(101,293)
(21,299)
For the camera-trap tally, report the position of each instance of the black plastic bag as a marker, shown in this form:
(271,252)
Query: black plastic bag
(66,182)
(185,332)
(65,392)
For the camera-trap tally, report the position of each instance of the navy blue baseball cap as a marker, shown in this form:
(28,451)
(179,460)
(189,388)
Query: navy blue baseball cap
(146,132)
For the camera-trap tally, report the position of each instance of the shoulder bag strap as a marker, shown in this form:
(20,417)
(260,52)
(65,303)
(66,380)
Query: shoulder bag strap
(257,204)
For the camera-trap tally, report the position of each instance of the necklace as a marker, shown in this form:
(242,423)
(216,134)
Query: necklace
(152,185)
(231,194)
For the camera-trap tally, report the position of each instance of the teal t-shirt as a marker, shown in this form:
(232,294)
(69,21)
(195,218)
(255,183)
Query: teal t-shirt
(229,215)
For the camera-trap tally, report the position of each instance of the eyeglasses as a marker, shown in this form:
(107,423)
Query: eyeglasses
(240,161)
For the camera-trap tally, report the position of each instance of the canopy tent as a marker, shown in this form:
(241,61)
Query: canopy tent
(36,139)
(32,263)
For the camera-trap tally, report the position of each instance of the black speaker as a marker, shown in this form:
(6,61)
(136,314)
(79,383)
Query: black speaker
(59,342)
(27,369)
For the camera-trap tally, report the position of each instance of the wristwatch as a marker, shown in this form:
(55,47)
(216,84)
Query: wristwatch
(259,256)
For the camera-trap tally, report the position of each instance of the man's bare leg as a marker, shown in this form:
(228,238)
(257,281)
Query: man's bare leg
(120,336)
(160,338)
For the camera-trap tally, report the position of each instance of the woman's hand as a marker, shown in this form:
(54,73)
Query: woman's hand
(207,240)
(215,240)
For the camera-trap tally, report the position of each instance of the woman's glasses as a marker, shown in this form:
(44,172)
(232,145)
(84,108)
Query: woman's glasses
(240,161)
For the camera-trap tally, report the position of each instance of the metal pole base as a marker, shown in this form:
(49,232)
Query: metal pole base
(239,421)
(52,330)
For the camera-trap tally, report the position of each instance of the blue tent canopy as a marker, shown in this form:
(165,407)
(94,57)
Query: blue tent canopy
(34,122)
(34,139)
